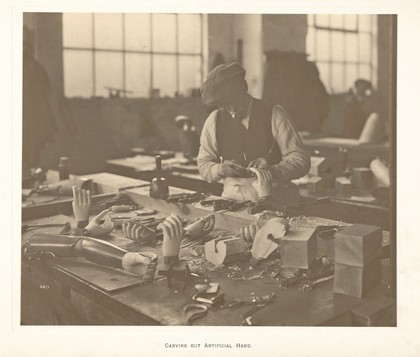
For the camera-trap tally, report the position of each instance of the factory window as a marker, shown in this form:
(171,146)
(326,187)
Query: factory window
(344,48)
(132,55)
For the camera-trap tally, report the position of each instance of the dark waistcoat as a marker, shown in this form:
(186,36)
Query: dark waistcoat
(235,142)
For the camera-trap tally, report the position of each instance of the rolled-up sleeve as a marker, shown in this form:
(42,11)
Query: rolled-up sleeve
(208,158)
(295,160)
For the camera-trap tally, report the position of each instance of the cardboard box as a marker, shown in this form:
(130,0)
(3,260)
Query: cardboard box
(358,244)
(355,280)
(298,248)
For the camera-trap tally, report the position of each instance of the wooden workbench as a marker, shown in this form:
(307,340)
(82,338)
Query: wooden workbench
(72,290)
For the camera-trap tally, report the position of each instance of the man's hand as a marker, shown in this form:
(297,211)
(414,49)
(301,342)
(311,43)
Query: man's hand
(263,184)
(201,227)
(81,205)
(173,234)
(259,163)
(137,232)
(99,225)
(230,169)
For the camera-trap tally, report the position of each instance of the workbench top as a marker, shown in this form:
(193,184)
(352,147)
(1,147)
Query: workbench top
(103,295)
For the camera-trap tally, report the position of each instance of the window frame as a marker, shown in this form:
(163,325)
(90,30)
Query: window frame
(151,53)
(330,62)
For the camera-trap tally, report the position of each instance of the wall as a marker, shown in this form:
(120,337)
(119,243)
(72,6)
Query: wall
(220,38)
(284,32)
(107,128)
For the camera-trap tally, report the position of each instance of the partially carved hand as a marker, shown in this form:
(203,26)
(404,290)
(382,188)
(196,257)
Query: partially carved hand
(248,232)
(81,205)
(172,235)
(99,225)
(137,232)
(138,263)
(201,227)
(263,184)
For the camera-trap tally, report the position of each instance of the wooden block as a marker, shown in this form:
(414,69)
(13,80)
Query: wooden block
(298,248)
(315,184)
(380,311)
(357,281)
(223,250)
(361,177)
(343,186)
(320,165)
(358,244)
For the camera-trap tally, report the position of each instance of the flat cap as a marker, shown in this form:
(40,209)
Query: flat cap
(223,82)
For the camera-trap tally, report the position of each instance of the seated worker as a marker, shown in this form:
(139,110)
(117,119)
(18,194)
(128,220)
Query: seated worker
(358,107)
(245,132)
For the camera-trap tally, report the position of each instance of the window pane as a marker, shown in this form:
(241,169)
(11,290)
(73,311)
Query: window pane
(108,31)
(337,47)
(164,32)
(364,72)
(351,75)
(137,32)
(337,78)
(310,43)
(78,79)
(311,20)
(365,47)
(365,22)
(137,74)
(164,74)
(352,50)
(350,22)
(322,20)
(337,21)
(189,31)
(109,72)
(324,74)
(77,30)
(189,74)
(323,45)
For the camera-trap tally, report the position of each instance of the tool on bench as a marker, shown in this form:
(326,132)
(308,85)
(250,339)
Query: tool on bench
(159,186)
(208,298)
(328,231)
(185,197)
(200,311)
(307,284)
(66,226)
(247,317)
(255,300)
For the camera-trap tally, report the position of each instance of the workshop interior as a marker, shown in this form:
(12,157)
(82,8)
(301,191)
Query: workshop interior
(208,169)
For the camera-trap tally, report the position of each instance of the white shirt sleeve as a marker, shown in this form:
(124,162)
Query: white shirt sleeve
(295,161)
(208,160)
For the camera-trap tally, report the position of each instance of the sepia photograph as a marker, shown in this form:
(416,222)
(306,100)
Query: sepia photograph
(225,172)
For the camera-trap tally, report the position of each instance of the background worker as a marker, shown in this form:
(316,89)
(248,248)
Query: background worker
(246,132)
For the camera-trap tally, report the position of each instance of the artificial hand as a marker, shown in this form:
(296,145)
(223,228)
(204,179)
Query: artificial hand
(173,234)
(99,225)
(201,227)
(263,183)
(137,232)
(81,205)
